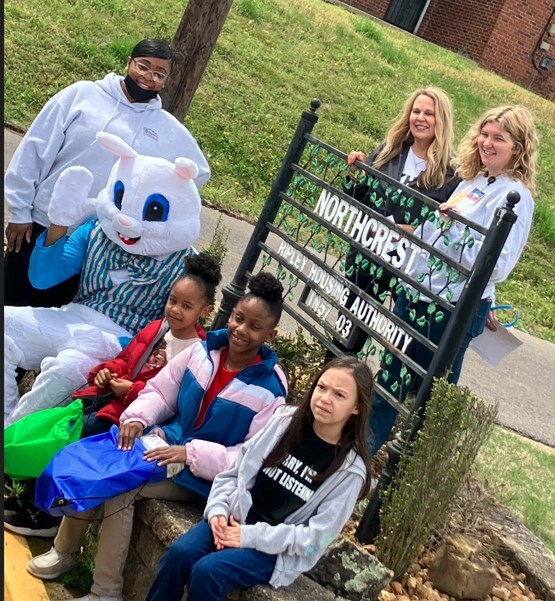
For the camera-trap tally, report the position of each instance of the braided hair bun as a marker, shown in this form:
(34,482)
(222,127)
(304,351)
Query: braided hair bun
(206,271)
(268,288)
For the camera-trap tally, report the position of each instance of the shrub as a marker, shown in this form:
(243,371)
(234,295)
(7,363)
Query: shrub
(430,472)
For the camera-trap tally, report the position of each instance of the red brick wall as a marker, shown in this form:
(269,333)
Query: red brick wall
(460,26)
(510,49)
(498,34)
(377,8)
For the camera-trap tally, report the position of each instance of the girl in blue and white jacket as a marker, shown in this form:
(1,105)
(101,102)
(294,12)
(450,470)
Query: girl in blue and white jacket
(292,489)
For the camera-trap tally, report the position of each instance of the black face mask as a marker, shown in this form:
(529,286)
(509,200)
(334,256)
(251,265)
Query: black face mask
(136,92)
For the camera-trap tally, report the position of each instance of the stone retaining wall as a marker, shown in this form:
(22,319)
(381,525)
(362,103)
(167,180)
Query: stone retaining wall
(158,523)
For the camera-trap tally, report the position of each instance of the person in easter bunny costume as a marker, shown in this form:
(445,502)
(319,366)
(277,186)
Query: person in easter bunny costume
(147,218)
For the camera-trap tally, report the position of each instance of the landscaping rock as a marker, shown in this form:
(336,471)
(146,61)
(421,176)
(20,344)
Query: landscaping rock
(459,569)
(346,570)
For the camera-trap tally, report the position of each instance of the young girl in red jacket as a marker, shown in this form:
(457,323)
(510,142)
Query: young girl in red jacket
(116,383)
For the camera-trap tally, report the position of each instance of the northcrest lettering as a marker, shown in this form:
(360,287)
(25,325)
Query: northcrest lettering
(367,231)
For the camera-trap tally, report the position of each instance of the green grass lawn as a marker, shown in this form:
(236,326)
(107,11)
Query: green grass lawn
(272,57)
(521,475)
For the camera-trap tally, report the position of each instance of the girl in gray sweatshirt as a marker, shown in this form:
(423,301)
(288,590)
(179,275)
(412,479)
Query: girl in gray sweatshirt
(292,489)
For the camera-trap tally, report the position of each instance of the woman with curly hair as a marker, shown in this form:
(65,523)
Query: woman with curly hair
(498,155)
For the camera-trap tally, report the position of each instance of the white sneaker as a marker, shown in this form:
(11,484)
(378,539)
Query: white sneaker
(52,564)
(93,597)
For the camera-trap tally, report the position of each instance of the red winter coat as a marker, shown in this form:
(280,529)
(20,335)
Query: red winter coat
(128,365)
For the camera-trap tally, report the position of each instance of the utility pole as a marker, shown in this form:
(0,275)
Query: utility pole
(194,41)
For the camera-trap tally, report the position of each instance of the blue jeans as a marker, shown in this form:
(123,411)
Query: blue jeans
(192,561)
(383,415)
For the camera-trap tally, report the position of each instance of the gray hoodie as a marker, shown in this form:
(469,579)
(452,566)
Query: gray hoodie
(63,134)
(301,540)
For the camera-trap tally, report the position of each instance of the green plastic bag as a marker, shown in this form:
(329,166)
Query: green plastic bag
(31,442)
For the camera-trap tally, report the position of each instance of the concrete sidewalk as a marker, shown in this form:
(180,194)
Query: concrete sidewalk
(520,384)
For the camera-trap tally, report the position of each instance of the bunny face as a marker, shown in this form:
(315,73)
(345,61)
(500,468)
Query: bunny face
(150,206)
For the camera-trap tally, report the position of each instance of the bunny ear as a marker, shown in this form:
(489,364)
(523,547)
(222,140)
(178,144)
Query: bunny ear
(186,168)
(115,145)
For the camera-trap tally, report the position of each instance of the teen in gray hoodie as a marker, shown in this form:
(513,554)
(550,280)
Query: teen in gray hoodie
(292,489)
(64,134)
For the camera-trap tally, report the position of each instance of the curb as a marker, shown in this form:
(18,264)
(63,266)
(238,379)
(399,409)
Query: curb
(18,583)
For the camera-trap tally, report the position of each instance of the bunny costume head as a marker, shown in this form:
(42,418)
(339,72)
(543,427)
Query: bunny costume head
(150,206)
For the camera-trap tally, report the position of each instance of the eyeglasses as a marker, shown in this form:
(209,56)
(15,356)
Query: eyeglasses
(156,75)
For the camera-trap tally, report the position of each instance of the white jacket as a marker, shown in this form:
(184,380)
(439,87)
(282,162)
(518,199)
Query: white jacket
(481,212)
(303,537)
(63,134)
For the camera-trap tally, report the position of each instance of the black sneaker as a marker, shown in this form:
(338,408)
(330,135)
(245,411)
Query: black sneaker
(32,523)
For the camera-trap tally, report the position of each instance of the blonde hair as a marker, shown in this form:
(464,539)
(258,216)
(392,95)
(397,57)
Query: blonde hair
(516,121)
(440,151)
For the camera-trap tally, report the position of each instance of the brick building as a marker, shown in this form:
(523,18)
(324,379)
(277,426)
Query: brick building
(515,38)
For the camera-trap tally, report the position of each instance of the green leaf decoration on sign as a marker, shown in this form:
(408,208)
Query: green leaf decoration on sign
(395,197)
(410,202)
(388,191)
(454,276)
(424,210)
(421,321)
(406,216)
(431,261)
(408,380)
(416,296)
(385,375)
(388,359)
(373,197)
(403,371)
(446,240)
(470,242)
(347,183)
(379,273)
(373,350)
(403,201)
(375,289)
(364,265)
(439,316)
(415,223)
(379,202)
(392,282)
(449,295)
(431,308)
(375,183)
(282,275)
(394,387)
(383,296)
(421,278)
(381,355)
(358,258)
(438,265)
(412,314)
(372,268)
(399,289)
(291,296)
(350,271)
(431,217)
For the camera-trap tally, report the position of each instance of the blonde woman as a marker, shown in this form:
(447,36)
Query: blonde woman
(496,156)
(417,152)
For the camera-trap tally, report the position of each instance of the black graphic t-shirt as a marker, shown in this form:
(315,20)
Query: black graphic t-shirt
(281,490)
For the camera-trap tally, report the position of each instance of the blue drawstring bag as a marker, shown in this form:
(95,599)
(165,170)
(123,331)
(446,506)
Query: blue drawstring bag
(92,470)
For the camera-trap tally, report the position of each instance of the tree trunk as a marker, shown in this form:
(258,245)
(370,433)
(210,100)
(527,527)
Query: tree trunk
(193,42)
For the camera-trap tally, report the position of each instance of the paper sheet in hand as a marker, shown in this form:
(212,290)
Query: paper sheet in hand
(153,441)
(493,347)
